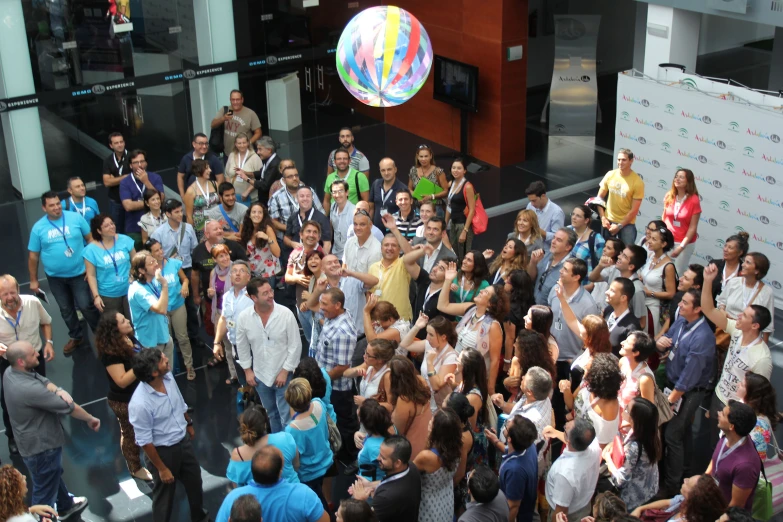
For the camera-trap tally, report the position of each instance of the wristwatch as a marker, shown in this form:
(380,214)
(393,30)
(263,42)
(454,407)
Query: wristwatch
(430,374)
(50,341)
(190,423)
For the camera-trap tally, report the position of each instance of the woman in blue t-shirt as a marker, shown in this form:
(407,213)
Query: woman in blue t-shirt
(254,431)
(309,427)
(179,289)
(107,259)
(376,421)
(148,296)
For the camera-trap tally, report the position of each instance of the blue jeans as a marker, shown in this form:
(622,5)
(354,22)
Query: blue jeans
(70,292)
(117,213)
(46,469)
(306,320)
(627,234)
(274,402)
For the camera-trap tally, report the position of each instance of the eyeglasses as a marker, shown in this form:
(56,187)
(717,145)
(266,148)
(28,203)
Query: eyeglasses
(368,356)
(338,192)
(202,143)
(424,147)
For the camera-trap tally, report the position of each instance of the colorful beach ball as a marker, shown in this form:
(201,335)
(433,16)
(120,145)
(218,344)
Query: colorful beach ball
(384,56)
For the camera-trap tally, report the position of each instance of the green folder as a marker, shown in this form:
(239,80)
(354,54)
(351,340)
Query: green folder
(426,188)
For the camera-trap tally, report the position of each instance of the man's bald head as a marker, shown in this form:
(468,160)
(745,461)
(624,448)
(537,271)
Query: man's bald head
(8,279)
(362,205)
(19,351)
(267,465)
(9,292)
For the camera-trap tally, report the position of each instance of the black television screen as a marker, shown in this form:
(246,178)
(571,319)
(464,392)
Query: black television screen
(456,83)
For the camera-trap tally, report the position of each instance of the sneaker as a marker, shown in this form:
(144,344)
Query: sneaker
(71,345)
(79,503)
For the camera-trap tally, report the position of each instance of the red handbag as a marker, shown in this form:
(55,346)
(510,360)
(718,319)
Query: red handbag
(618,452)
(480,220)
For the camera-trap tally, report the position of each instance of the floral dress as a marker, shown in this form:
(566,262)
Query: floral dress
(413,175)
(263,263)
(201,204)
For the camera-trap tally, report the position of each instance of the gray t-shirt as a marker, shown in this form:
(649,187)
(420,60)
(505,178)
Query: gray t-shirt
(244,120)
(495,511)
(235,215)
(582,305)
(34,412)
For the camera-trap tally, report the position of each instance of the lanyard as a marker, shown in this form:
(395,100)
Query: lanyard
(747,297)
(428,295)
(453,192)
(733,274)
(15,326)
(111,255)
(398,476)
(83,210)
(740,348)
(205,194)
(438,358)
(178,237)
(498,275)
(568,301)
(462,293)
(244,160)
(616,320)
(121,164)
(682,336)
(292,201)
(385,195)
(62,232)
(152,289)
(312,211)
(678,206)
(723,452)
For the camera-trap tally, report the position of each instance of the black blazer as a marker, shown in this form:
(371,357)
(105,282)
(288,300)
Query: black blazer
(271,175)
(623,328)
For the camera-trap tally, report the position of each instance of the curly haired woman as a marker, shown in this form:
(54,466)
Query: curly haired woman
(13,489)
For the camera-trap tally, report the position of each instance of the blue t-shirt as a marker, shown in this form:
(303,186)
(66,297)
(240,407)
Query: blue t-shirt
(281,502)
(171,273)
(151,329)
(315,454)
(369,456)
(88,208)
(112,266)
(239,471)
(47,238)
(132,189)
(328,395)
(518,481)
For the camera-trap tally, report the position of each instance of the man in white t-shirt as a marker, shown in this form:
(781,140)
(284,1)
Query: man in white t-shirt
(747,350)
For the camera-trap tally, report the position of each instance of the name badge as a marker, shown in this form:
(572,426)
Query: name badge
(231,324)
(118,278)
(377,292)
(676,223)
(558,325)
(671,355)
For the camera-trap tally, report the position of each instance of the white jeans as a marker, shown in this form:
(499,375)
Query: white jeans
(681,262)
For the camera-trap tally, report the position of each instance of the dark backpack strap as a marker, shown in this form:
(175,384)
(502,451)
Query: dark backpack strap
(591,246)
(356,185)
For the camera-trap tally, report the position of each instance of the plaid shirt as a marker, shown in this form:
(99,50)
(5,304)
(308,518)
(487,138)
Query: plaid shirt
(407,227)
(582,251)
(335,347)
(538,412)
(282,205)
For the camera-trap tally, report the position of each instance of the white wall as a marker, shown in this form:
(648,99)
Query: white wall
(719,33)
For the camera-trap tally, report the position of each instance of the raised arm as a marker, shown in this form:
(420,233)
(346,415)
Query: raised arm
(444,305)
(411,260)
(532,265)
(410,342)
(595,275)
(718,317)
(391,224)
(568,314)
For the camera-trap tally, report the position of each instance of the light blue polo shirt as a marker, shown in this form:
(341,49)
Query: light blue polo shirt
(151,329)
(88,208)
(112,266)
(47,238)
(171,273)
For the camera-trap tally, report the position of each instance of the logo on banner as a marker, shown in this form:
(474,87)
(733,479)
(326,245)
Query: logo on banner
(698,117)
(772,159)
(649,123)
(709,141)
(663,184)
(728,167)
(651,162)
(774,138)
(749,152)
(708,181)
(575,79)
(638,101)
(652,200)
(770,201)
(701,158)
(720,243)
(98,89)
(762,239)
(774,284)
(734,126)
(710,221)
(641,140)
(669,109)
(764,220)
(3,106)
(683,133)
(744,192)
(666,147)
(625,116)
(688,82)
(759,177)
(570,29)
(724,205)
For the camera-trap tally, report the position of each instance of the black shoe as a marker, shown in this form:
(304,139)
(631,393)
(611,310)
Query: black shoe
(12,448)
(79,503)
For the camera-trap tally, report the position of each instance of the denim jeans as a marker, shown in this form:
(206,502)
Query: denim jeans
(70,292)
(306,320)
(117,213)
(46,469)
(274,402)
(627,234)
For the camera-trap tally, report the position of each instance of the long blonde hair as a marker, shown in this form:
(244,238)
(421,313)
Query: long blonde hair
(536,232)
(690,188)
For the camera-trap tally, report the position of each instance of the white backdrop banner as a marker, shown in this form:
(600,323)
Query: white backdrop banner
(729,137)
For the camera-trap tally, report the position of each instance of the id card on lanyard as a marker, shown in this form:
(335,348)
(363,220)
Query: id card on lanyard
(682,336)
(15,325)
(68,250)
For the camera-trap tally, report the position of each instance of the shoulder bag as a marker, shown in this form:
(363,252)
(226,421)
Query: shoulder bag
(480,219)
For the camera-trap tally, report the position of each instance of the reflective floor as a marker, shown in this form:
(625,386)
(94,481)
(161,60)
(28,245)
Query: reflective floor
(93,464)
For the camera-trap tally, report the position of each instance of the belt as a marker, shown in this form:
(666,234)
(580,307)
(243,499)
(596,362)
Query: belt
(670,385)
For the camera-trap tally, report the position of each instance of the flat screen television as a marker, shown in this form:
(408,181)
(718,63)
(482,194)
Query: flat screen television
(456,83)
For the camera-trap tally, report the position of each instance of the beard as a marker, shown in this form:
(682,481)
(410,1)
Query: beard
(346,145)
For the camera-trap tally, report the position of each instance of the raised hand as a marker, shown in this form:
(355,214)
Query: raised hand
(422,321)
(451,271)
(537,255)
(488,253)
(710,273)
(372,300)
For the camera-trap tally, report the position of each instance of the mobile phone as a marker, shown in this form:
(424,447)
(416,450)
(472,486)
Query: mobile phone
(230,112)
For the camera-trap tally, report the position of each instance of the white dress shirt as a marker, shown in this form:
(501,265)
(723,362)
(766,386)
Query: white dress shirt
(571,480)
(359,258)
(271,348)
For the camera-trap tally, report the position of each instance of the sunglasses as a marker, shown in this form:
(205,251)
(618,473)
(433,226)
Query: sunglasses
(362,212)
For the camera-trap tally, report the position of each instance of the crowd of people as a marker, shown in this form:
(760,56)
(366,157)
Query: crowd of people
(569,375)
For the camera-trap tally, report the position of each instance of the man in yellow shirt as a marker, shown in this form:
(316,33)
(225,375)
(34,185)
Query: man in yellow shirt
(393,279)
(623,191)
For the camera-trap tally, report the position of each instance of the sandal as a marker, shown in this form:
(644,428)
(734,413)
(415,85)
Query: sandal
(143,474)
(191,373)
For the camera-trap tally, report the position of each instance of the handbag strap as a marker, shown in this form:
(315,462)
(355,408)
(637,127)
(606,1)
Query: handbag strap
(761,285)
(762,465)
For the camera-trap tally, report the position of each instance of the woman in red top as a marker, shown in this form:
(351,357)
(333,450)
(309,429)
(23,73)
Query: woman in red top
(681,211)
